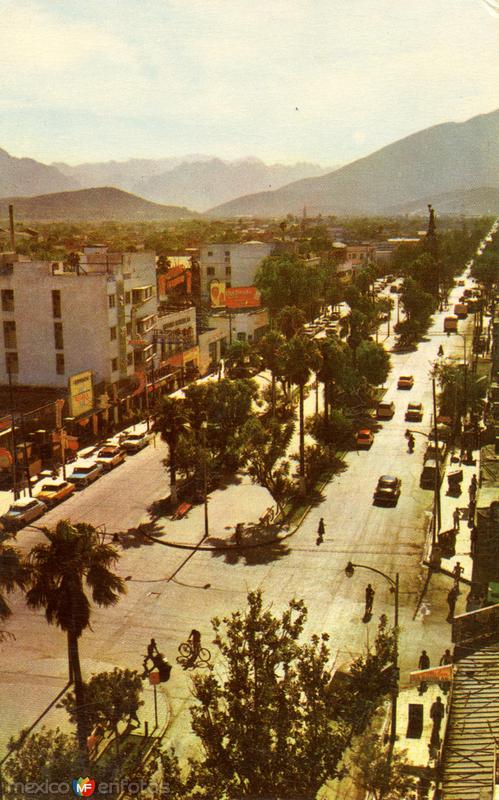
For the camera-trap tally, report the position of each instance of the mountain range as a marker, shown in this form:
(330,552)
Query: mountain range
(447,158)
(196,181)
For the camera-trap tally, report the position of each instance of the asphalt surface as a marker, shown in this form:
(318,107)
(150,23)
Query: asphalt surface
(34,666)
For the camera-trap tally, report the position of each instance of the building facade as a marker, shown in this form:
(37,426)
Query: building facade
(233,264)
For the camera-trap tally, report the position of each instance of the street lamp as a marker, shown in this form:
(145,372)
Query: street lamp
(394,588)
(204,426)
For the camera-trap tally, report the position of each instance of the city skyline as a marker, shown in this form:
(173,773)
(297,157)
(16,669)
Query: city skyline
(286,83)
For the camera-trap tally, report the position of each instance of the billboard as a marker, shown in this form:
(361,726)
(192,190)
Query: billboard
(217,294)
(81,393)
(476,625)
(443,674)
(243,297)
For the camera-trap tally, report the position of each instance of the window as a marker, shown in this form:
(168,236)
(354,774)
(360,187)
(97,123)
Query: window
(59,363)
(112,300)
(112,333)
(129,359)
(228,271)
(12,363)
(7,300)
(129,329)
(56,303)
(227,253)
(241,336)
(210,270)
(58,338)
(114,364)
(128,298)
(210,253)
(9,335)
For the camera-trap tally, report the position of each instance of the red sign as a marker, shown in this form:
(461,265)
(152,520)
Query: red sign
(443,674)
(154,678)
(242,297)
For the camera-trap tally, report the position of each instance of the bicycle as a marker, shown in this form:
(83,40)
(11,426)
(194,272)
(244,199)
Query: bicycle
(188,658)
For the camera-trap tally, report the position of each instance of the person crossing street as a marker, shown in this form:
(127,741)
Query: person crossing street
(369,600)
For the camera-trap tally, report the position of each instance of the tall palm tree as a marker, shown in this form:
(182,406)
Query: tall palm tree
(332,359)
(74,560)
(171,418)
(302,356)
(12,576)
(271,349)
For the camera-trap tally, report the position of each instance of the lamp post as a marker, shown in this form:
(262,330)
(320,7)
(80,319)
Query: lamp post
(204,426)
(394,588)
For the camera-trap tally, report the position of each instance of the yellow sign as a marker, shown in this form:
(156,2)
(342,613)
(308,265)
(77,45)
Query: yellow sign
(217,294)
(81,393)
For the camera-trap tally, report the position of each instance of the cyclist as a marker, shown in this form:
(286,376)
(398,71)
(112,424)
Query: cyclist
(195,642)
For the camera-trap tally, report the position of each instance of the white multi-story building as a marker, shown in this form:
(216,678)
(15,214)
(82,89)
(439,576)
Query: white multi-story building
(59,321)
(234,264)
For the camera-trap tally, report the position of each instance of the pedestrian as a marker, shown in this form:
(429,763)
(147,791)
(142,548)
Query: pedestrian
(446,658)
(451,602)
(474,482)
(456,517)
(437,713)
(423,663)
(457,572)
(473,541)
(321,530)
(369,600)
(151,648)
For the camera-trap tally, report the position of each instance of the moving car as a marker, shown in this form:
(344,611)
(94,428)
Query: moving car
(21,512)
(414,412)
(405,382)
(387,490)
(133,442)
(54,491)
(85,474)
(110,456)
(461,310)
(364,438)
(450,324)
(385,410)
(431,452)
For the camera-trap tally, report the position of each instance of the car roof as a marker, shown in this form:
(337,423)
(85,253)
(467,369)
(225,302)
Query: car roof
(21,502)
(88,465)
(365,430)
(415,405)
(406,377)
(55,482)
(388,478)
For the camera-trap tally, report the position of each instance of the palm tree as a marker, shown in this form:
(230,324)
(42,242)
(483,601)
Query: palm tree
(332,359)
(74,559)
(271,349)
(12,576)
(302,356)
(171,418)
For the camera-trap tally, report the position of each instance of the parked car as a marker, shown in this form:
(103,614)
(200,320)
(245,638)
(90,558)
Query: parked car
(414,412)
(431,451)
(21,512)
(405,382)
(85,474)
(54,491)
(133,442)
(387,490)
(385,410)
(110,457)
(364,438)
(429,475)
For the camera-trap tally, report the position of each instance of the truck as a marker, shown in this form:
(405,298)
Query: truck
(450,324)
(461,310)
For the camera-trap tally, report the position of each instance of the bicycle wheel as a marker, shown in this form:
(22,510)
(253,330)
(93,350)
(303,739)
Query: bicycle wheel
(185,649)
(204,654)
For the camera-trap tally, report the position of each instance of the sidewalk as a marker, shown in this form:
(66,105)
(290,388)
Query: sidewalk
(449,504)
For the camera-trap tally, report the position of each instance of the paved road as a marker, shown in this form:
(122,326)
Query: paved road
(34,667)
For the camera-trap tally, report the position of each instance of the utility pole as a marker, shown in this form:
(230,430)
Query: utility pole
(13,429)
(437,519)
(204,426)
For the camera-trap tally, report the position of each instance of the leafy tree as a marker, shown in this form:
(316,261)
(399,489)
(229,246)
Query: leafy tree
(240,359)
(484,271)
(266,446)
(333,432)
(301,357)
(170,420)
(265,724)
(12,576)
(285,281)
(74,559)
(384,778)
(359,326)
(111,698)
(333,361)
(459,389)
(290,321)
(271,349)
(373,362)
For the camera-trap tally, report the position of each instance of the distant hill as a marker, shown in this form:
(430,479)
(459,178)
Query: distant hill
(24,176)
(444,158)
(470,202)
(202,184)
(91,205)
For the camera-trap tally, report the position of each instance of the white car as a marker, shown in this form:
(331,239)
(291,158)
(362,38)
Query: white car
(21,512)
(85,474)
(133,442)
(110,456)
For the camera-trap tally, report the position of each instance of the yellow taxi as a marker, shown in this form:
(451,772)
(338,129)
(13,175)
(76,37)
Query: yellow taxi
(55,490)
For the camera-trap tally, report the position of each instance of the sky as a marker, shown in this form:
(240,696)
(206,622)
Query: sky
(325,81)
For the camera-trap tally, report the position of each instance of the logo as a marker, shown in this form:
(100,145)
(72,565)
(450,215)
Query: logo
(83,787)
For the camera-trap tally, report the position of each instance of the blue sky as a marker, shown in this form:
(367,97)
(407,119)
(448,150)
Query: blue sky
(284,80)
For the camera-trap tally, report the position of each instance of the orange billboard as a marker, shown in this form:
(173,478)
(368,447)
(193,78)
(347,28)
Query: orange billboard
(243,297)
(217,294)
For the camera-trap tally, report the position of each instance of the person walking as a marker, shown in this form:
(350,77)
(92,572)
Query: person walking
(446,658)
(423,663)
(473,541)
(369,600)
(437,713)
(451,602)
(457,572)
(321,530)
(456,517)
